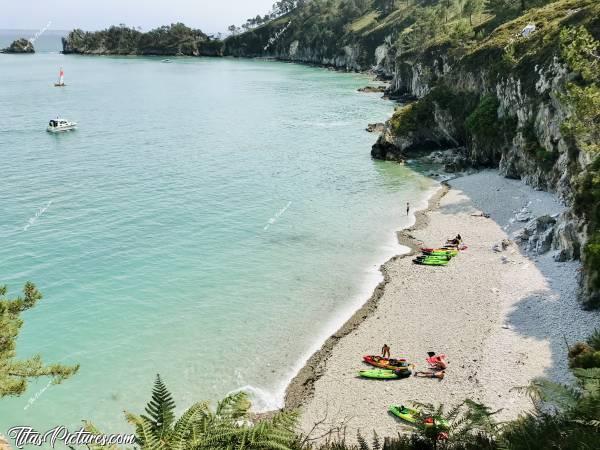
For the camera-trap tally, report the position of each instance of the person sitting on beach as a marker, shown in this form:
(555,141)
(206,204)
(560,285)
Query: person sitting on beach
(438,375)
(385,351)
(437,362)
(456,241)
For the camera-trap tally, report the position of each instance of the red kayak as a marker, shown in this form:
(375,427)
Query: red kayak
(385,363)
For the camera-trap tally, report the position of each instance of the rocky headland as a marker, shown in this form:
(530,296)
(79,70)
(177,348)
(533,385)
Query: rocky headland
(173,40)
(20,46)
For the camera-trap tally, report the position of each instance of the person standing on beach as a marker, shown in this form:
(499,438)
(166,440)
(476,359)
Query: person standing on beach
(385,351)
(407,208)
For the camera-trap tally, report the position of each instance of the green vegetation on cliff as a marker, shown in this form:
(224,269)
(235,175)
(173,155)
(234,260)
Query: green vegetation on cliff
(323,29)
(175,39)
(582,53)
(537,78)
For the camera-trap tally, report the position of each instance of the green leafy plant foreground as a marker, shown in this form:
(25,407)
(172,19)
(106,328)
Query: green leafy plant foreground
(15,373)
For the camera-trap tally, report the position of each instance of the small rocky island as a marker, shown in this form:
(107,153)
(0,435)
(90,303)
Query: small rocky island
(173,40)
(19,46)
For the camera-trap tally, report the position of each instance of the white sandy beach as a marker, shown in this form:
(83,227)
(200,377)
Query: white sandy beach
(502,318)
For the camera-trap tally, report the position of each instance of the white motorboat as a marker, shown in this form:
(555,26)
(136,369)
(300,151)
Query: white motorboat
(56,125)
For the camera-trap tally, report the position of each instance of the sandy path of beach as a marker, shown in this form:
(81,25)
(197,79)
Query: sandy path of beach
(501,323)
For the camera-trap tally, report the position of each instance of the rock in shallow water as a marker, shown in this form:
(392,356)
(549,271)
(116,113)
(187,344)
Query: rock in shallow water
(372,89)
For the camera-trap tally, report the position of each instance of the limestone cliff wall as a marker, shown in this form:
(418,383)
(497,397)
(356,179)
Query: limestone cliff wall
(530,145)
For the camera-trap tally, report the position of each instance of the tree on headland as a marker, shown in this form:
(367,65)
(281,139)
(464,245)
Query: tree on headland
(14,374)
(472,7)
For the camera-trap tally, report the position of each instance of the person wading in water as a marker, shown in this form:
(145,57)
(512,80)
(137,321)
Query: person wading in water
(407,208)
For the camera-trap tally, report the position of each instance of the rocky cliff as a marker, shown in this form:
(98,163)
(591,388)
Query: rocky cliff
(507,103)
(19,46)
(325,34)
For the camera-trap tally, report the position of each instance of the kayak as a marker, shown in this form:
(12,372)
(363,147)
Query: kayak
(445,251)
(407,414)
(385,374)
(433,260)
(438,422)
(440,257)
(385,363)
(430,262)
(440,249)
(414,417)
(439,253)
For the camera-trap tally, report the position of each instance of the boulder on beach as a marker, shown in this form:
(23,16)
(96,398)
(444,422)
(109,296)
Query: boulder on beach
(19,46)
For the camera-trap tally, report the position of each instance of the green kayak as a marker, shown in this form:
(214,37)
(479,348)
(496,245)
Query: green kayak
(413,416)
(444,254)
(430,262)
(407,414)
(441,258)
(386,374)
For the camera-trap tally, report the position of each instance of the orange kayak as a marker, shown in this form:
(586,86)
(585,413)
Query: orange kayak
(386,363)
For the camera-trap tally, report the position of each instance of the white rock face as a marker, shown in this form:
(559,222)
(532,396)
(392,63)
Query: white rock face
(380,54)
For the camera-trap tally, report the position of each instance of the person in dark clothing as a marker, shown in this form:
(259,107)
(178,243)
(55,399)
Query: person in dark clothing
(385,351)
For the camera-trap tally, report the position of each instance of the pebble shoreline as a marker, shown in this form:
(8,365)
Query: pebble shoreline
(501,317)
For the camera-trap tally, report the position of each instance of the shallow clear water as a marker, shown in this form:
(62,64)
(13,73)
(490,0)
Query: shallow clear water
(210,220)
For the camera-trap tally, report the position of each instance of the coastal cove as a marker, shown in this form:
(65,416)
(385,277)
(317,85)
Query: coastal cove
(168,241)
(301,225)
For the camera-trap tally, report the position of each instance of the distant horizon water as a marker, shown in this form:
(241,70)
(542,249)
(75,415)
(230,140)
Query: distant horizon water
(211,220)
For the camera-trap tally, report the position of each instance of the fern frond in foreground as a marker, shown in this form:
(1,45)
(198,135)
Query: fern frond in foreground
(200,428)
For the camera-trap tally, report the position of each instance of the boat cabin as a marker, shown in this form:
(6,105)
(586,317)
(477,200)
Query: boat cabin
(58,123)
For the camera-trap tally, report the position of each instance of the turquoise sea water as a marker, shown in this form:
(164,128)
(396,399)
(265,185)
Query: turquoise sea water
(211,220)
